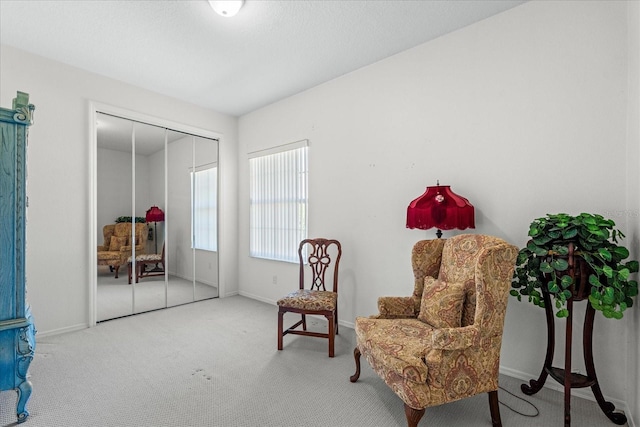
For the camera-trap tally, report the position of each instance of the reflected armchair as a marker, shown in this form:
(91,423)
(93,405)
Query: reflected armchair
(117,248)
(443,343)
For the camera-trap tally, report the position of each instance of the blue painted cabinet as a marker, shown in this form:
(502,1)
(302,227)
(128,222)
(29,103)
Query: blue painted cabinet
(17,331)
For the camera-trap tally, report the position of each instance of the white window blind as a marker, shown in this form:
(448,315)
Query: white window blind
(278,201)
(205,208)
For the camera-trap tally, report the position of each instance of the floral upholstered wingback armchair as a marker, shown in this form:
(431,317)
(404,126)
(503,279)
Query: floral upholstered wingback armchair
(443,343)
(117,244)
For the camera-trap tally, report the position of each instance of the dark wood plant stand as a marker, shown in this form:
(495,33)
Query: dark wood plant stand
(579,270)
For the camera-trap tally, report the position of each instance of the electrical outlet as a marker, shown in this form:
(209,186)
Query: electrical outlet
(275,280)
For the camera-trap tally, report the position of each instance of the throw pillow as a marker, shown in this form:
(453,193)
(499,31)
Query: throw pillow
(441,305)
(117,243)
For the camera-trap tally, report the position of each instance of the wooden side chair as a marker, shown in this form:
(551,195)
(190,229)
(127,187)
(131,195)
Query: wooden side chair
(317,254)
(141,265)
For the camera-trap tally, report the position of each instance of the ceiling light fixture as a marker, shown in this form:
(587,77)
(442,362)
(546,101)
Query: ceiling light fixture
(226,8)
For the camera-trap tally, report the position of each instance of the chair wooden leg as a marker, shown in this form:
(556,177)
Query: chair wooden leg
(356,355)
(332,335)
(117,267)
(280,321)
(413,415)
(494,406)
(304,322)
(129,272)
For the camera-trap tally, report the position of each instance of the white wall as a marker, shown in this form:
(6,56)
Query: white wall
(113,179)
(59,254)
(523,113)
(633,179)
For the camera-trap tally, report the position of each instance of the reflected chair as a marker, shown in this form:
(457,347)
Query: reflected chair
(442,344)
(142,261)
(316,300)
(117,244)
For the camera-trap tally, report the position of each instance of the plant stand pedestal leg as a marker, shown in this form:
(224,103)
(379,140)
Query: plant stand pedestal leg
(564,376)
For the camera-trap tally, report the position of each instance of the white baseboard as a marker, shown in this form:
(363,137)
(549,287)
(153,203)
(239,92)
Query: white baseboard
(256,297)
(349,325)
(53,332)
(230,294)
(584,393)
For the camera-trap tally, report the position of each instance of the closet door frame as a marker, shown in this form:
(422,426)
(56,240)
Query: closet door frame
(98,107)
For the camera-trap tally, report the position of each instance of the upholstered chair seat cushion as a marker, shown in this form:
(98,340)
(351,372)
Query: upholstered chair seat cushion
(147,257)
(108,256)
(396,345)
(305,299)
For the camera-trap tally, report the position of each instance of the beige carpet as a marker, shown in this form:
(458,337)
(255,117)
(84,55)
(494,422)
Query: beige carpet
(215,363)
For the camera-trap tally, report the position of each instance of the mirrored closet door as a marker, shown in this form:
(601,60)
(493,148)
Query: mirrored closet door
(192,235)
(157,194)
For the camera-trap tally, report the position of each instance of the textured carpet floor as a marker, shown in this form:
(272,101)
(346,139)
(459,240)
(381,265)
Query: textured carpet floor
(215,363)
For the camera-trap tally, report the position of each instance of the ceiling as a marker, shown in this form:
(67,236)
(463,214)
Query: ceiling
(270,50)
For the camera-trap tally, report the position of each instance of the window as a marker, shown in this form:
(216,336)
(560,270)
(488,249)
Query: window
(204,190)
(278,201)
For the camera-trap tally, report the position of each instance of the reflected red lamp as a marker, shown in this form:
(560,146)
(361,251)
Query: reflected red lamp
(155,215)
(440,208)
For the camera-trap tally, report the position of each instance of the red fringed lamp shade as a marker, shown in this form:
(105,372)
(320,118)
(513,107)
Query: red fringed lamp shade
(440,208)
(154,214)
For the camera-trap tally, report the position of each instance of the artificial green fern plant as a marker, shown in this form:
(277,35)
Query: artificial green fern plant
(139,219)
(543,262)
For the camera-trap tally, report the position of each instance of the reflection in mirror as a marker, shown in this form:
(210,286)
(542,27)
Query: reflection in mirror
(148,269)
(177,251)
(192,232)
(158,189)
(204,206)
(114,176)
